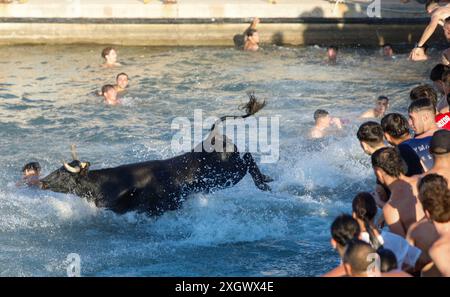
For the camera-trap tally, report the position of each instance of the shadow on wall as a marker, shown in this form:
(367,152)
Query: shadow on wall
(348,28)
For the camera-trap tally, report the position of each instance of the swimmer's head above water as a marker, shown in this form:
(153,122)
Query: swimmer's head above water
(110,56)
(387,50)
(109,93)
(121,81)
(332,53)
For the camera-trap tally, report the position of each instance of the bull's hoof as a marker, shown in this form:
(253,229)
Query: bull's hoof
(267,179)
(264,187)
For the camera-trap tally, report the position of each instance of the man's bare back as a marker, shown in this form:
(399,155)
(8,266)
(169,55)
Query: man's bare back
(440,254)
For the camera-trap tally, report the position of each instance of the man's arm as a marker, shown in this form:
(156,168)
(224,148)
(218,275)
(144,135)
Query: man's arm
(429,30)
(439,253)
(392,218)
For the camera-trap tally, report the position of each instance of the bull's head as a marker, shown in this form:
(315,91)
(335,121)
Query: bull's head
(67,177)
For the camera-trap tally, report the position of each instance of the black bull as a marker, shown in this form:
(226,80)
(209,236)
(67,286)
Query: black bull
(160,185)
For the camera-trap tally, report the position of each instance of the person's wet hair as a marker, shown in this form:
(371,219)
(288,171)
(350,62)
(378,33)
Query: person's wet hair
(422,105)
(32,166)
(424,91)
(370,133)
(106,51)
(250,32)
(365,209)
(357,256)
(106,88)
(120,74)
(390,161)
(333,47)
(395,124)
(388,260)
(430,3)
(381,98)
(344,228)
(435,197)
(437,72)
(320,113)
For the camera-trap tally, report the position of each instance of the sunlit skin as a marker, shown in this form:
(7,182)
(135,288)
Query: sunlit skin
(381,106)
(323,124)
(422,123)
(251,42)
(111,97)
(332,55)
(111,59)
(438,15)
(121,83)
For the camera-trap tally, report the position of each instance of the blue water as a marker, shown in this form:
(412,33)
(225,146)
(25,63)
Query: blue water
(47,103)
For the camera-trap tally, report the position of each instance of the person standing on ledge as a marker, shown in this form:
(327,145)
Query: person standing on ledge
(438,16)
(252,37)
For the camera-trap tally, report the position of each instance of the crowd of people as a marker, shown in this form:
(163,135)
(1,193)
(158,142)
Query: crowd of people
(410,157)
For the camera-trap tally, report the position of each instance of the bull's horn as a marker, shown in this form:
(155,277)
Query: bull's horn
(74,152)
(71,169)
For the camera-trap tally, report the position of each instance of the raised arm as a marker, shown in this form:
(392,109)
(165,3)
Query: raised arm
(429,30)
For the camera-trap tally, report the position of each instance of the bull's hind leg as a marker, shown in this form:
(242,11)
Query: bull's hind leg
(259,179)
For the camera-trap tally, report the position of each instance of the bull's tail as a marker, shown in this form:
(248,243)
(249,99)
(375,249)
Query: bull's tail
(251,107)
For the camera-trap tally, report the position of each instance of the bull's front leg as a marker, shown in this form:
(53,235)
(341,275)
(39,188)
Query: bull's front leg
(259,179)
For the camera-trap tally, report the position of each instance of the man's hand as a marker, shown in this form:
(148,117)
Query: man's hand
(418,54)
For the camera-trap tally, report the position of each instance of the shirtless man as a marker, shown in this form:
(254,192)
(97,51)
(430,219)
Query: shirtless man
(438,15)
(121,82)
(435,196)
(332,52)
(380,109)
(110,56)
(323,123)
(110,95)
(252,37)
(403,208)
(30,174)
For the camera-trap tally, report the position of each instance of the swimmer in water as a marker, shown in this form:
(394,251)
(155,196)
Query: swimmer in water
(388,52)
(332,55)
(30,174)
(110,56)
(121,82)
(323,122)
(110,95)
(251,42)
(379,111)
(438,15)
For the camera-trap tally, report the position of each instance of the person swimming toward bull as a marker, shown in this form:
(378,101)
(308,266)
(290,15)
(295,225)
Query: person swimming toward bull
(160,185)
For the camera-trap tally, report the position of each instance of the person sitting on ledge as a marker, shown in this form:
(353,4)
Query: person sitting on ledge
(323,123)
(110,56)
(438,16)
(110,95)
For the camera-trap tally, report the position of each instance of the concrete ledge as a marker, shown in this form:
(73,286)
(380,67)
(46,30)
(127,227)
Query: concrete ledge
(206,34)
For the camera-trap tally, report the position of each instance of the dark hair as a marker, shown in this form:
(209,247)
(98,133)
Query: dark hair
(395,125)
(437,71)
(386,44)
(106,51)
(320,113)
(447,20)
(424,91)
(383,98)
(430,2)
(32,166)
(445,77)
(388,260)
(370,133)
(365,209)
(333,47)
(422,104)
(448,99)
(122,73)
(435,197)
(356,255)
(390,161)
(106,88)
(250,32)
(344,228)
